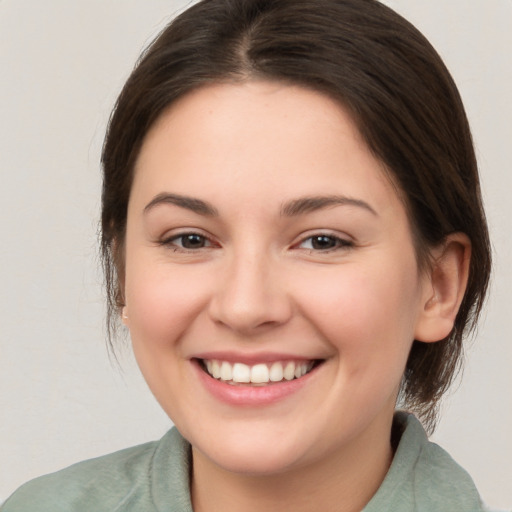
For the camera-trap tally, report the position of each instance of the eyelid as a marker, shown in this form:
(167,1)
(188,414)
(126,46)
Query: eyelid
(344,242)
(169,238)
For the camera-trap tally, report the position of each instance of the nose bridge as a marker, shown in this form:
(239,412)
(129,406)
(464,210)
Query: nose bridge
(251,292)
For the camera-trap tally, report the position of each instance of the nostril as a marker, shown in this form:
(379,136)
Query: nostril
(246,307)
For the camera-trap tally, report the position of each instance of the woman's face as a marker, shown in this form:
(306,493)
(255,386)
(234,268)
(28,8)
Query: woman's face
(264,241)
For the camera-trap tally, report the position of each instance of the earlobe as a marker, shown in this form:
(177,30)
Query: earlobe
(117,252)
(124,315)
(447,281)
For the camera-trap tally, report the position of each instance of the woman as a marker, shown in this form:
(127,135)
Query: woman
(293,234)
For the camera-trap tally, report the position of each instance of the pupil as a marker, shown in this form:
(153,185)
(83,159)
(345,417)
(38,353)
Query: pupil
(323,242)
(193,241)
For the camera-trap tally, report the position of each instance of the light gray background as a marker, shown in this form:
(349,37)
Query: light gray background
(62,64)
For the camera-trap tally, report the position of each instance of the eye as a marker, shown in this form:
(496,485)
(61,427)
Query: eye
(188,241)
(324,243)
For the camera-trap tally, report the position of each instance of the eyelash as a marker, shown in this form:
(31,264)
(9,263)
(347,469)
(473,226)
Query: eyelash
(171,242)
(338,243)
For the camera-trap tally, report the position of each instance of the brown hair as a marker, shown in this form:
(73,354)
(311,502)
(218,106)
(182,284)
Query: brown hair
(380,68)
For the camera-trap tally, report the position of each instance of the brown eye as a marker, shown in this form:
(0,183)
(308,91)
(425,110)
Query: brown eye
(324,243)
(188,241)
(193,241)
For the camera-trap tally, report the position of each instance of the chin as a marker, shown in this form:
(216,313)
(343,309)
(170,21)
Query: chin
(252,462)
(248,454)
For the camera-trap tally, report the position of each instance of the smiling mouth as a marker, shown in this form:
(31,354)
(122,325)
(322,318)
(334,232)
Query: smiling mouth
(260,374)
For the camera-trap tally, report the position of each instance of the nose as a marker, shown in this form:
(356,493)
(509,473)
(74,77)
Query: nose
(251,295)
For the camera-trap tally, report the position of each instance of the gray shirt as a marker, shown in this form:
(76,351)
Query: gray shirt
(154,477)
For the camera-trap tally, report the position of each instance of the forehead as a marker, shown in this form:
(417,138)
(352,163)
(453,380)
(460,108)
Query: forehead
(274,139)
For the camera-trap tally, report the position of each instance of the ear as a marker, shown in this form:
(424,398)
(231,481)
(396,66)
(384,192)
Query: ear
(124,316)
(117,253)
(445,285)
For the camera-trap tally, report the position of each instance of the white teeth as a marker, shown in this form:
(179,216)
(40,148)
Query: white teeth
(215,369)
(289,371)
(241,373)
(226,371)
(276,372)
(259,373)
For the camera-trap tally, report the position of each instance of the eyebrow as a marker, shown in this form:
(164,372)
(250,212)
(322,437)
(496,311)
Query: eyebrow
(190,203)
(313,203)
(291,208)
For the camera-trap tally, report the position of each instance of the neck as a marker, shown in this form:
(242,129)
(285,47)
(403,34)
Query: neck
(344,481)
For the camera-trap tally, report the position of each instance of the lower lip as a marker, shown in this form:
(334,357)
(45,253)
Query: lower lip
(251,396)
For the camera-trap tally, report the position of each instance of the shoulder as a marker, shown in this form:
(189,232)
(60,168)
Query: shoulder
(120,481)
(440,479)
(423,477)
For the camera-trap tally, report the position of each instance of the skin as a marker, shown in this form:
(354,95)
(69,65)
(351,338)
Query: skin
(256,284)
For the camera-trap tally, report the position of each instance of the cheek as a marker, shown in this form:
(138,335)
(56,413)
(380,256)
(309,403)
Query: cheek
(162,301)
(368,313)
(163,306)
